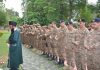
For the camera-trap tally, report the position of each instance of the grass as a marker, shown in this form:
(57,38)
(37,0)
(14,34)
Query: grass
(3,47)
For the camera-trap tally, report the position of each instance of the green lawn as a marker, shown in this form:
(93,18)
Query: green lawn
(3,46)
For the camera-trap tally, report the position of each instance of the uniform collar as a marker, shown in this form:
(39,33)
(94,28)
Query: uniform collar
(15,28)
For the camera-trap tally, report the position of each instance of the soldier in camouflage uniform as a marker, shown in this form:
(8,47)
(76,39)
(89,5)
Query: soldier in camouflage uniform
(94,46)
(53,41)
(62,40)
(71,46)
(81,34)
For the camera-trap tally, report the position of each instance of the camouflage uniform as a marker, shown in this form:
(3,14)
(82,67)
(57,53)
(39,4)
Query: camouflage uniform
(81,52)
(62,40)
(94,50)
(71,49)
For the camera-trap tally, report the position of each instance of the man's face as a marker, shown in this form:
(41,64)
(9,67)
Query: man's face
(62,24)
(10,26)
(70,27)
(93,25)
(54,25)
(82,24)
(97,24)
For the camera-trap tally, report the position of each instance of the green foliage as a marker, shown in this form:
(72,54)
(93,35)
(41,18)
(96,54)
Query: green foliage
(98,7)
(3,46)
(98,15)
(87,14)
(13,16)
(1,0)
(3,18)
(20,21)
(46,11)
(1,34)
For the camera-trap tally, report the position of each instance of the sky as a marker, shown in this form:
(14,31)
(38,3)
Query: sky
(16,5)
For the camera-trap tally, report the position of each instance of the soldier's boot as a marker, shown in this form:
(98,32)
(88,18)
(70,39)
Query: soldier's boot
(43,53)
(30,46)
(52,57)
(47,55)
(57,60)
(62,62)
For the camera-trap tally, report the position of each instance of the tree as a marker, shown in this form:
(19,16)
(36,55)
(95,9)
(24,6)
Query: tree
(1,0)
(86,14)
(98,8)
(3,18)
(12,15)
(46,11)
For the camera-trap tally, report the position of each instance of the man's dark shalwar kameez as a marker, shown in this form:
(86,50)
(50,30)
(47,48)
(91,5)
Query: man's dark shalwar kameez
(15,50)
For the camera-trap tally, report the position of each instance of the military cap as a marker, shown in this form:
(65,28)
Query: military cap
(12,23)
(97,20)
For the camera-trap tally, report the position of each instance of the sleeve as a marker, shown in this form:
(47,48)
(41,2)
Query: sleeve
(15,37)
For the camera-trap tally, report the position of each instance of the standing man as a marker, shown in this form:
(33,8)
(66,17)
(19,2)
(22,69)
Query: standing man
(15,47)
(94,46)
(71,46)
(81,38)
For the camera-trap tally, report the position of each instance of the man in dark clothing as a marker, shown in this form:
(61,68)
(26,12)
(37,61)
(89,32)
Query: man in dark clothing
(15,47)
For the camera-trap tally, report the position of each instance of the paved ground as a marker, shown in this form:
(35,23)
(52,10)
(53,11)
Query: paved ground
(33,60)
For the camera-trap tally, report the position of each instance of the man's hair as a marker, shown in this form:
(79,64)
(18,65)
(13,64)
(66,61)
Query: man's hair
(82,20)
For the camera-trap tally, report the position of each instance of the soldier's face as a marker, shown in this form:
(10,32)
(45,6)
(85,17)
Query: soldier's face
(70,27)
(96,25)
(54,25)
(62,24)
(82,24)
(93,25)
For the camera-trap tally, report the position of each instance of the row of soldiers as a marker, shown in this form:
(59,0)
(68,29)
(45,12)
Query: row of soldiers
(77,48)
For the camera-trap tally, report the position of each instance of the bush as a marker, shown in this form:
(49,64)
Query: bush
(86,14)
(1,34)
(98,15)
(3,18)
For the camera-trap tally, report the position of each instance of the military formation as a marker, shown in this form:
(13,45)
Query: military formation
(76,48)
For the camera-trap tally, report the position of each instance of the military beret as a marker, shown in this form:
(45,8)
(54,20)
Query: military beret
(70,22)
(82,20)
(12,23)
(97,20)
(61,21)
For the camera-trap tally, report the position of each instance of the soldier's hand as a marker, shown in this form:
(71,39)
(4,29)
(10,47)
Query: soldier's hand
(56,38)
(76,42)
(89,48)
(92,48)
